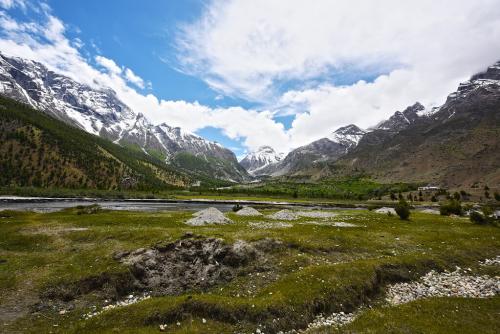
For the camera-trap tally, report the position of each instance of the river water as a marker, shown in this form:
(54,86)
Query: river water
(51,205)
(42,204)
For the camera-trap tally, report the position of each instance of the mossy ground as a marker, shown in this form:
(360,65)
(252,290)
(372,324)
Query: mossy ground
(320,269)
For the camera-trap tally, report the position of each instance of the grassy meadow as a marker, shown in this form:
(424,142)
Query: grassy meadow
(320,268)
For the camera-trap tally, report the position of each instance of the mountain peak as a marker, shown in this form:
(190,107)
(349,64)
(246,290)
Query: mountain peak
(260,158)
(491,73)
(348,136)
(401,119)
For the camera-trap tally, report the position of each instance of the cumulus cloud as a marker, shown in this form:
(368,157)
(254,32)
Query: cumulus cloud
(108,64)
(292,57)
(133,78)
(257,49)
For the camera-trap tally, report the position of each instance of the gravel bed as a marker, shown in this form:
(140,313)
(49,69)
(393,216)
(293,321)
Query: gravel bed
(284,215)
(248,211)
(131,299)
(315,214)
(209,216)
(267,225)
(386,210)
(430,211)
(491,262)
(329,223)
(333,320)
(446,284)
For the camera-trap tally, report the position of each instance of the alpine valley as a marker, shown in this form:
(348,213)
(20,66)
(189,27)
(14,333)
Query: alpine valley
(455,145)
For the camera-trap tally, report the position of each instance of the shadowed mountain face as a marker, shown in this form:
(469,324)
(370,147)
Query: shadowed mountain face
(455,145)
(100,112)
(306,158)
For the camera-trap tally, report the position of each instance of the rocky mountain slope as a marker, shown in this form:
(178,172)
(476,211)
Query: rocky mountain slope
(37,150)
(306,158)
(456,145)
(100,112)
(257,161)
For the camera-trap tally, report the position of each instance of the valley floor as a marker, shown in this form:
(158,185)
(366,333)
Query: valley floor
(77,271)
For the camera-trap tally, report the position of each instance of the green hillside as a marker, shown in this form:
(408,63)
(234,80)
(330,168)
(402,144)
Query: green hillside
(39,151)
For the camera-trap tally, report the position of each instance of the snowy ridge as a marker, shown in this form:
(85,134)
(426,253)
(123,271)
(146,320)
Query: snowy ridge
(348,136)
(260,159)
(100,112)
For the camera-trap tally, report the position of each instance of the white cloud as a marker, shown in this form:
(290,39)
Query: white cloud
(7,4)
(253,49)
(108,64)
(258,50)
(135,79)
(59,54)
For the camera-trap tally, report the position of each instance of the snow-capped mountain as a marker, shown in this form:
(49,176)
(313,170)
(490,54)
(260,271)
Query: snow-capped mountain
(100,112)
(347,136)
(339,143)
(401,119)
(454,145)
(260,159)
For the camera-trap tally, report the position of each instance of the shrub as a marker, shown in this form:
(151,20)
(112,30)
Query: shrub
(451,207)
(484,218)
(477,218)
(403,210)
(237,207)
(371,207)
(87,209)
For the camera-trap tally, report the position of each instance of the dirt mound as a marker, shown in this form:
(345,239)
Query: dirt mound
(191,263)
(209,216)
(248,211)
(284,215)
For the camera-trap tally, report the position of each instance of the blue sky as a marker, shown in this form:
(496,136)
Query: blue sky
(264,72)
(141,34)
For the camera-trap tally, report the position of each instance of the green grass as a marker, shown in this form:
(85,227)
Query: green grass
(319,269)
(352,188)
(429,316)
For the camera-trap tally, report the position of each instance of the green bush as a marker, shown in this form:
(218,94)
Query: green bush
(88,209)
(478,218)
(451,207)
(484,218)
(372,207)
(403,210)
